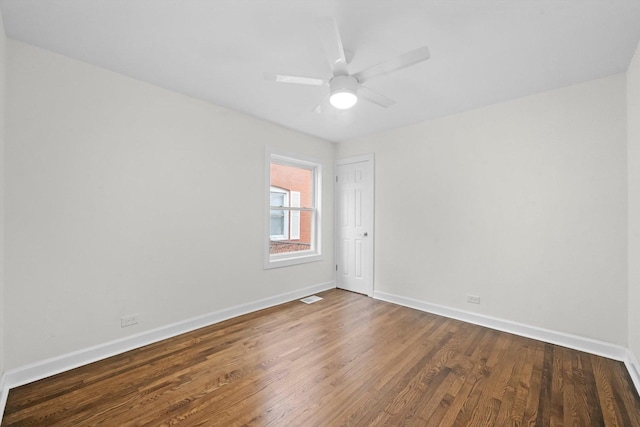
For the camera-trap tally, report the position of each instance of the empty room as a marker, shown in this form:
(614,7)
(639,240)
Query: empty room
(319,213)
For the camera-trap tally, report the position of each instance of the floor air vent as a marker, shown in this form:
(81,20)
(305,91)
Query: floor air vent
(311,299)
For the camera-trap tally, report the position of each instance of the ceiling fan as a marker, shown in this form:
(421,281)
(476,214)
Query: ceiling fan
(345,88)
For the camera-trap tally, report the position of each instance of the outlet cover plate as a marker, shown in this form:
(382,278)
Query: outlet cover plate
(129,320)
(473,299)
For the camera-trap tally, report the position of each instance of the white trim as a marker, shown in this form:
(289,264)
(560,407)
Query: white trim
(634,369)
(4,393)
(588,345)
(294,215)
(46,368)
(293,258)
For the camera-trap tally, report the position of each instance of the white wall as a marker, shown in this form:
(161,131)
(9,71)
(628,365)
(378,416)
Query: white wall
(633,161)
(522,203)
(2,103)
(124,198)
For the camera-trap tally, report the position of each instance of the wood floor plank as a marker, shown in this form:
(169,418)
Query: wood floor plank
(569,400)
(345,360)
(605,394)
(507,395)
(557,387)
(523,382)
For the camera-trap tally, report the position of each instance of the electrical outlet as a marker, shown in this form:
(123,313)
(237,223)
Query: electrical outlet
(129,320)
(473,299)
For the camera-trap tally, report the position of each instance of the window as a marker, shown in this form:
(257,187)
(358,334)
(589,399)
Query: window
(279,219)
(293,187)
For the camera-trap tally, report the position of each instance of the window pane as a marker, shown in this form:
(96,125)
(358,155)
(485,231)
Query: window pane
(306,228)
(303,243)
(277,199)
(277,223)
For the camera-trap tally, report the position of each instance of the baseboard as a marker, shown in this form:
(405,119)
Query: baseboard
(634,369)
(588,345)
(4,393)
(56,365)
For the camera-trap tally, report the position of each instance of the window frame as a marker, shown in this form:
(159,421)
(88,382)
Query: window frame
(298,257)
(285,216)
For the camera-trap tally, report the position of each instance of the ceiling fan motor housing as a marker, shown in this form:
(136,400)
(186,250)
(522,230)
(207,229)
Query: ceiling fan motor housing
(343,83)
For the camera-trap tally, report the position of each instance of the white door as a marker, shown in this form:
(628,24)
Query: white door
(354,224)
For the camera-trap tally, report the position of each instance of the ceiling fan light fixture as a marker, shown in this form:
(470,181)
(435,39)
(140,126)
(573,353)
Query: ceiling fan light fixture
(343,89)
(343,99)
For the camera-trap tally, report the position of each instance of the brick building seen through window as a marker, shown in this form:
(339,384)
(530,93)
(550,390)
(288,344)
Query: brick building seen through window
(290,230)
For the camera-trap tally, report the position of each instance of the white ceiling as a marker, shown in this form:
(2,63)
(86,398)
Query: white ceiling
(482,52)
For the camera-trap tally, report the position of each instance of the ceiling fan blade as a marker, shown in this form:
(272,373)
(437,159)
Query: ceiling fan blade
(280,78)
(375,97)
(398,63)
(318,109)
(332,44)
(324,107)
(301,80)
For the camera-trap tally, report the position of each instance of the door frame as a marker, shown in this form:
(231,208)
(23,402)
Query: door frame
(370,159)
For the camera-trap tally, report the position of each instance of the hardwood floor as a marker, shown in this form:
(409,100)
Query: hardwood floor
(345,360)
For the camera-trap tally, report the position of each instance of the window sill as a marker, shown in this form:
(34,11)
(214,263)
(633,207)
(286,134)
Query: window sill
(286,260)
